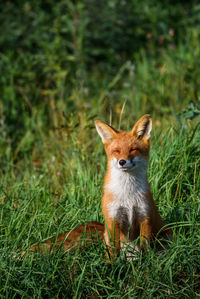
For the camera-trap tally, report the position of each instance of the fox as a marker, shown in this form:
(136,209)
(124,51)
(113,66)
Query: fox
(129,211)
(128,206)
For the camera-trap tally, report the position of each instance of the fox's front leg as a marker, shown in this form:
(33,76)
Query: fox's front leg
(145,232)
(112,237)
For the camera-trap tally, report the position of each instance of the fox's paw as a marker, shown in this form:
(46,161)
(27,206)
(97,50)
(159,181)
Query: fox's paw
(130,251)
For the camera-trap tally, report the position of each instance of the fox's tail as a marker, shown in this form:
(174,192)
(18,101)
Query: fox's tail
(71,240)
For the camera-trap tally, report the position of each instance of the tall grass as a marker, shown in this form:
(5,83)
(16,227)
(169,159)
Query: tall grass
(59,73)
(31,211)
(52,182)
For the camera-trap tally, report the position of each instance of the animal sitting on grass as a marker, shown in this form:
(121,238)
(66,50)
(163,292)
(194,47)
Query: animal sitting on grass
(128,207)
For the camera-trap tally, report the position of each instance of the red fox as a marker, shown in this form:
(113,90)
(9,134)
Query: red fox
(127,203)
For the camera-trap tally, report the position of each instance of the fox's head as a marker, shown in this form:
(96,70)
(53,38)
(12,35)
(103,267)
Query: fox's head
(126,151)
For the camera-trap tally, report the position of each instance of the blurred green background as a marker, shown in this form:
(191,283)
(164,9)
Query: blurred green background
(65,63)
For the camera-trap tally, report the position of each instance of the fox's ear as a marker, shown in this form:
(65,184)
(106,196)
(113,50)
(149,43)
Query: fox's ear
(106,132)
(142,128)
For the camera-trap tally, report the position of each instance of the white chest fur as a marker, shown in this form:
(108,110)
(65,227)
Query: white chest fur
(129,193)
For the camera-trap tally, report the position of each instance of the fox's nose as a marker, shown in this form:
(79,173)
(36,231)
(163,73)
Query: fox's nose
(122,162)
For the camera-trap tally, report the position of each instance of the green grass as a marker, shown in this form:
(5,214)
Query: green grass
(31,211)
(59,73)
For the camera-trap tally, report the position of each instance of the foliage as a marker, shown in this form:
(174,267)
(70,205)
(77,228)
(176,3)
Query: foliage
(72,56)
(64,64)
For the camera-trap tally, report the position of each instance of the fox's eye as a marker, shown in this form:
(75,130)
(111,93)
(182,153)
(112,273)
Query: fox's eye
(116,151)
(133,149)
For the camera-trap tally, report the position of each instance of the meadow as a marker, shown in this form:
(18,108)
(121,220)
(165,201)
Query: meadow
(57,77)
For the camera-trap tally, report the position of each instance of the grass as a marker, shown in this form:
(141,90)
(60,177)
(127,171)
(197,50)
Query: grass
(53,162)
(31,211)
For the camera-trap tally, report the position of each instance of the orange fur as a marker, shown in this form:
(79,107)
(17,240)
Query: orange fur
(127,203)
(72,239)
(128,147)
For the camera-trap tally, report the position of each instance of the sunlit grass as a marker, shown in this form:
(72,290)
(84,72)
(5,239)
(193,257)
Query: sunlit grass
(53,163)
(32,211)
